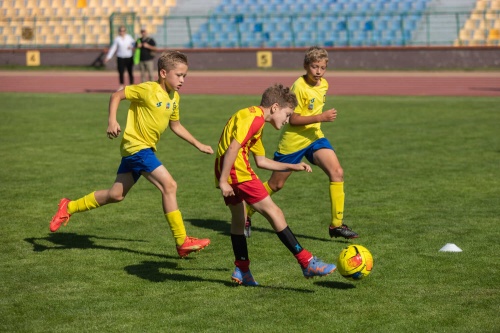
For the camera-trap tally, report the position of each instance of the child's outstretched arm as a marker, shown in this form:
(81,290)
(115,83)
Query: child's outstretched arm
(326,116)
(184,134)
(113,126)
(265,163)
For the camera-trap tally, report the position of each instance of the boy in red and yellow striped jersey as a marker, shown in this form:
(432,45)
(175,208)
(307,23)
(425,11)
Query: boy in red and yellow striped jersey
(154,106)
(238,182)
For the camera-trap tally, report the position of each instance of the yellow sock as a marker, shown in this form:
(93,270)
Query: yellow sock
(337,200)
(268,189)
(88,202)
(176,224)
(250,210)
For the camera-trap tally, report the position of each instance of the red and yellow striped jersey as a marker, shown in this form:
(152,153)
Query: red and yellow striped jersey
(246,127)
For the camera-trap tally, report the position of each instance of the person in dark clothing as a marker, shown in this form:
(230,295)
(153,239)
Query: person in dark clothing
(148,48)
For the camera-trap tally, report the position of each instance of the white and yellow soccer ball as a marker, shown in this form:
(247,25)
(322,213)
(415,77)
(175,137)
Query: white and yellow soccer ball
(355,262)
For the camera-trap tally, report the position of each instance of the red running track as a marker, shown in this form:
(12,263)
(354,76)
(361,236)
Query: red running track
(254,82)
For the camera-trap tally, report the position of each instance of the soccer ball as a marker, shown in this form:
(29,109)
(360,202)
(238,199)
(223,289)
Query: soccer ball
(355,262)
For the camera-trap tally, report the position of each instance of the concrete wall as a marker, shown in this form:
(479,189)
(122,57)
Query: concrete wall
(413,58)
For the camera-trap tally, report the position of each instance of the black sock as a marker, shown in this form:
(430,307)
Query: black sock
(288,238)
(239,247)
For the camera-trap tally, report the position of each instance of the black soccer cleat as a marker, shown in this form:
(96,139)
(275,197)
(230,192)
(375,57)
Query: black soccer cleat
(342,231)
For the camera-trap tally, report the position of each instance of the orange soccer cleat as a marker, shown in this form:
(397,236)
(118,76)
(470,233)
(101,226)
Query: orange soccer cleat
(62,216)
(192,244)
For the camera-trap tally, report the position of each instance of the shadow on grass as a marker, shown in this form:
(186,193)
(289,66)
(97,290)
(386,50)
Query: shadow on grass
(335,285)
(224,227)
(65,241)
(154,271)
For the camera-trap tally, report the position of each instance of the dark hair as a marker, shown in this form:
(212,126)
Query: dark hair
(277,93)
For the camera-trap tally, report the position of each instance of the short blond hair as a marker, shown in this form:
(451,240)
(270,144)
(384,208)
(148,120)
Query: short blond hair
(277,93)
(169,59)
(314,54)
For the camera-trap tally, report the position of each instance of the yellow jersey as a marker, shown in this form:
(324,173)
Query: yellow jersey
(151,109)
(245,126)
(311,101)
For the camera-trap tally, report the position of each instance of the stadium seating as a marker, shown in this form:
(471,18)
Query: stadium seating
(63,23)
(483,25)
(249,23)
(284,23)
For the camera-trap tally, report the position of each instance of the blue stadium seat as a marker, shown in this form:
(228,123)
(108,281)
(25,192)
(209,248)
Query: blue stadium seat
(357,38)
(326,24)
(391,6)
(368,26)
(377,6)
(364,7)
(304,38)
(419,5)
(351,7)
(354,23)
(405,6)
(341,25)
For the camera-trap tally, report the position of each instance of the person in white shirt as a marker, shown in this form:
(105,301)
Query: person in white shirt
(124,46)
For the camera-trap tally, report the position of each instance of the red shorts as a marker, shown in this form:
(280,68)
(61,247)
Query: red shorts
(251,192)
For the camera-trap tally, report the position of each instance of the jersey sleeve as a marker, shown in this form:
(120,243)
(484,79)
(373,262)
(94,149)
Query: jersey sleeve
(136,93)
(175,116)
(301,98)
(258,148)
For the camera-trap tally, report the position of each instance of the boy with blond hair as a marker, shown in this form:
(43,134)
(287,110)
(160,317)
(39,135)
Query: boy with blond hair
(239,183)
(153,107)
(303,137)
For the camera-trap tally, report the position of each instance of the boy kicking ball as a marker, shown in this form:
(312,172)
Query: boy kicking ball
(154,106)
(239,183)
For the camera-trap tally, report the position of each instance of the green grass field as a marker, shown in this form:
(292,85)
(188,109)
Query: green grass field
(419,173)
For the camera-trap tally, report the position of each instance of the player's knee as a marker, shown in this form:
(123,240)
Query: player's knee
(169,187)
(115,197)
(336,174)
(276,186)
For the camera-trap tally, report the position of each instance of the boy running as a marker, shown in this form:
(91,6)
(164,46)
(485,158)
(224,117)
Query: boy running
(303,137)
(239,183)
(153,107)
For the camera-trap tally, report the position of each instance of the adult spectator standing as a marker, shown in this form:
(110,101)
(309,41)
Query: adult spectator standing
(146,63)
(124,46)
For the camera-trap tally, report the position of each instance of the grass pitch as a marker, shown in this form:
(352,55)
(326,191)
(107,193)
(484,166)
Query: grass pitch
(419,173)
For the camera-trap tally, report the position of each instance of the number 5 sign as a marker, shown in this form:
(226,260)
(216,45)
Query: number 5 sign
(264,59)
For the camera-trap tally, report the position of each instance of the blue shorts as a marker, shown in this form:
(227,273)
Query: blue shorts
(144,160)
(308,152)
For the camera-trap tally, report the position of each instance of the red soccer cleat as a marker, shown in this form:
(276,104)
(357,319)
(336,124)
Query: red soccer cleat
(192,244)
(62,216)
